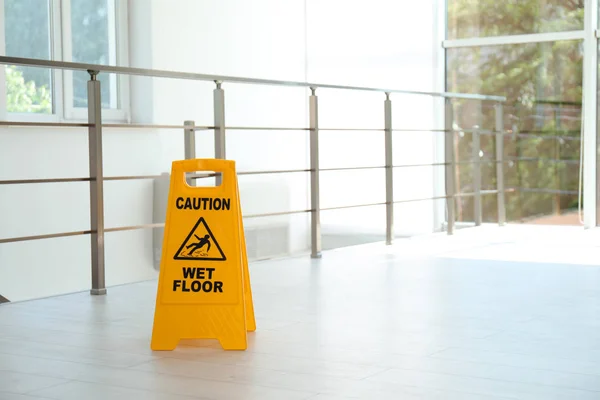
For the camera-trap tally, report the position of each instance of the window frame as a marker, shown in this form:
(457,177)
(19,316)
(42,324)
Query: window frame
(588,36)
(60,49)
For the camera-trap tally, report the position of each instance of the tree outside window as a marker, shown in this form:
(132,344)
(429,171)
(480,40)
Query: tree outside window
(543,85)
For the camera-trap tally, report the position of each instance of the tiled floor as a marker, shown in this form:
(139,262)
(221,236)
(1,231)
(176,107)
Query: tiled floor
(425,319)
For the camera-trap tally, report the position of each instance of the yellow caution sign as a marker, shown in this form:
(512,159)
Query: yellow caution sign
(204,286)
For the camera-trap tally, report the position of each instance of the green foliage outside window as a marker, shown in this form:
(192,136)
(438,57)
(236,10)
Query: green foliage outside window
(24,96)
(543,86)
(27,32)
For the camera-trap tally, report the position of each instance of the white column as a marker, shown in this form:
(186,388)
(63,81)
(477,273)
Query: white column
(2,67)
(590,84)
(439,106)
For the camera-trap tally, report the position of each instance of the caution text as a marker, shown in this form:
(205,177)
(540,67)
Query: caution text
(197,280)
(203,203)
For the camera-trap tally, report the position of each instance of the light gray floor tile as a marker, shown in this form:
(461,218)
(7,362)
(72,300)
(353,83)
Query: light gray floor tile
(15,382)
(548,362)
(327,385)
(489,387)
(13,396)
(236,364)
(360,323)
(322,396)
(91,391)
(180,384)
(440,395)
(70,353)
(498,372)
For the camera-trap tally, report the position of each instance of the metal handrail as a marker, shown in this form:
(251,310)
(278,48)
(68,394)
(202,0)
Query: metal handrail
(290,171)
(96,177)
(267,128)
(485,132)
(157,73)
(153,126)
(45,124)
(262,215)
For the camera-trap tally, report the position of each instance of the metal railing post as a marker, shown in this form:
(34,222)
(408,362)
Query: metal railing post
(189,145)
(598,178)
(96,184)
(315,220)
(450,165)
(219,110)
(389,172)
(500,163)
(475,154)
(556,198)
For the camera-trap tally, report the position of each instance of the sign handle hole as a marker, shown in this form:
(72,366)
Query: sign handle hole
(204,178)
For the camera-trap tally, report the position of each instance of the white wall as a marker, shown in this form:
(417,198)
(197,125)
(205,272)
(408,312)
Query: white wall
(379,43)
(375,43)
(262,39)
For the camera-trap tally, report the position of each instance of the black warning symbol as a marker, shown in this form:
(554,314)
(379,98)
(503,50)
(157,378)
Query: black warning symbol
(200,244)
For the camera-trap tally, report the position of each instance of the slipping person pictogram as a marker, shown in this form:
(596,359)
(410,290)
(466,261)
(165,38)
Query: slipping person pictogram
(200,244)
(205,241)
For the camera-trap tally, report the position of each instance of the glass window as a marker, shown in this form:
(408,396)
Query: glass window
(27,34)
(94,41)
(543,85)
(481,18)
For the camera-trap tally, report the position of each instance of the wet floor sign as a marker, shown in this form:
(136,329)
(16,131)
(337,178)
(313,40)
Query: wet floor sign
(204,285)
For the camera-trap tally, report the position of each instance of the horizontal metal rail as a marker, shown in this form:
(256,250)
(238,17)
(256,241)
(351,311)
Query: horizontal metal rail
(548,191)
(161,225)
(352,206)
(46,236)
(152,126)
(261,128)
(562,130)
(478,131)
(544,160)
(352,129)
(350,168)
(267,172)
(421,199)
(287,171)
(130,178)
(134,227)
(14,124)
(50,180)
(424,165)
(419,130)
(503,40)
(275,214)
(222,78)
(522,189)
(86,179)
(554,137)
(282,129)
(482,192)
